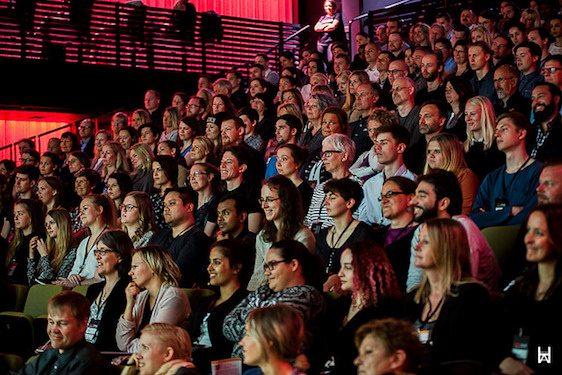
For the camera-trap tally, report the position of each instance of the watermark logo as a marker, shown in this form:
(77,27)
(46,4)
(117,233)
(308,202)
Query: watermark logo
(544,356)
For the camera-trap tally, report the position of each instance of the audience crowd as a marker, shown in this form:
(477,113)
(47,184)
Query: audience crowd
(349,187)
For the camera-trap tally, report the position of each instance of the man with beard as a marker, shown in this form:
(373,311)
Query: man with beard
(403,94)
(415,67)
(187,244)
(506,78)
(439,195)
(527,55)
(479,55)
(391,142)
(431,68)
(548,122)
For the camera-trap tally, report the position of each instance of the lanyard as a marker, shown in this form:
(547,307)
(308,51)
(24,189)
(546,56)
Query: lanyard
(506,189)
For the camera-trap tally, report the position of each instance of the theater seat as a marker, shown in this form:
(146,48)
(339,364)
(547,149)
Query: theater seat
(194,295)
(11,362)
(501,240)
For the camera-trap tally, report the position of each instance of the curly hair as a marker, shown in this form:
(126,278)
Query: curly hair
(373,276)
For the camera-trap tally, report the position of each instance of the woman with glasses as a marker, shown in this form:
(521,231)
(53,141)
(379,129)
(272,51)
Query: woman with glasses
(338,152)
(371,292)
(107,299)
(230,267)
(152,296)
(98,214)
(356,78)
(118,185)
(291,271)
(281,204)
(460,55)
(204,179)
(57,253)
(137,218)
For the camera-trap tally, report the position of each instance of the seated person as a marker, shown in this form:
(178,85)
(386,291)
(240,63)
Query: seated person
(67,321)
(507,195)
(230,267)
(160,301)
(231,219)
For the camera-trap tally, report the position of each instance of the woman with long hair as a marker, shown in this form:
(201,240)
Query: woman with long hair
(172,149)
(222,104)
(98,214)
(6,205)
(371,291)
(480,33)
(28,228)
(204,179)
(171,122)
(457,92)
(230,267)
(273,339)
(114,159)
(481,151)
(281,203)
(263,104)
(206,95)
(188,130)
(152,296)
(139,118)
(444,151)
(213,129)
(290,159)
(102,137)
(107,299)
(49,192)
(137,218)
(533,302)
(49,164)
(180,100)
(460,55)
(128,136)
(118,185)
(448,298)
(141,156)
(57,253)
(291,271)
(355,79)
(203,150)
(165,176)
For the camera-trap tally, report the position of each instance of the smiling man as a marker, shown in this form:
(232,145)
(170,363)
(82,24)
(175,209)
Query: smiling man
(69,353)
(548,122)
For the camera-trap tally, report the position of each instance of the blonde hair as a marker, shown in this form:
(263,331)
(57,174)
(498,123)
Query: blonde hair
(121,164)
(169,336)
(349,104)
(451,151)
(487,122)
(160,263)
(291,109)
(534,15)
(486,32)
(206,95)
(145,153)
(451,252)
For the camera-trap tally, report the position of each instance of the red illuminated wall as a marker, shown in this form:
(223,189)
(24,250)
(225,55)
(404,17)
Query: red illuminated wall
(269,10)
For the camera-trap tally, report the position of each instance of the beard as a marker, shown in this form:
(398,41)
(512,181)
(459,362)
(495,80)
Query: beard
(545,113)
(426,214)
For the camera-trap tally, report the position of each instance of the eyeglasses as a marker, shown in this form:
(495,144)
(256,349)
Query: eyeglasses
(102,253)
(394,71)
(85,126)
(390,194)
(329,153)
(270,266)
(268,200)
(27,160)
(127,207)
(550,70)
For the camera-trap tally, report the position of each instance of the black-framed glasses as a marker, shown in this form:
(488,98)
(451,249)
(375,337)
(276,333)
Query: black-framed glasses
(268,200)
(102,253)
(550,70)
(270,266)
(390,194)
(329,153)
(127,207)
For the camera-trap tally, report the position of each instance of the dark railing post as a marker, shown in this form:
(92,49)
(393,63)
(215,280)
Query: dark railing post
(281,46)
(117,36)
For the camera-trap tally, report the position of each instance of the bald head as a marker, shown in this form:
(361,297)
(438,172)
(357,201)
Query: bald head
(396,69)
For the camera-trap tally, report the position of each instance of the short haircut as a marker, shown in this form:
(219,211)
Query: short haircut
(489,15)
(533,48)
(74,138)
(445,15)
(153,128)
(78,304)
(30,170)
(348,189)
(155,93)
(444,41)
(482,44)
(398,132)
(242,154)
(239,204)
(374,88)
(343,56)
(92,177)
(441,107)
(543,33)
(237,121)
(519,120)
(554,90)
(249,112)
(28,141)
(235,72)
(54,158)
(384,117)
(82,157)
(224,83)
(445,185)
(259,66)
(288,55)
(187,195)
(405,184)
(33,153)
